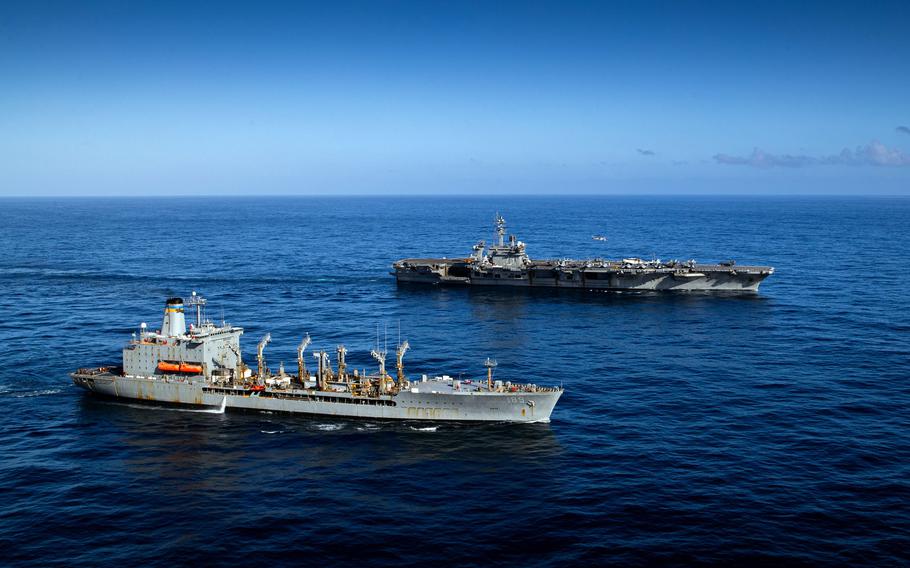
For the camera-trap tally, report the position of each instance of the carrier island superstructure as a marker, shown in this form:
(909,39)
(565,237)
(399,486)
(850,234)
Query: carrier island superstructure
(203,366)
(507,264)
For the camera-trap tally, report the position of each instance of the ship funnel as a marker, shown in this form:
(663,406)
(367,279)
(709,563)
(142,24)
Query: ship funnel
(174,323)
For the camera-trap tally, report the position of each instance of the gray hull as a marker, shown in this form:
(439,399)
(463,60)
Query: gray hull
(407,405)
(742,280)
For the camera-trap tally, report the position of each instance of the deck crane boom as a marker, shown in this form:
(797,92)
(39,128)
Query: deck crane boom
(302,373)
(383,377)
(260,357)
(341,351)
(399,363)
(489,364)
(324,370)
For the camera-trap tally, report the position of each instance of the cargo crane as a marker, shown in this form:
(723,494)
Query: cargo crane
(489,364)
(318,356)
(324,370)
(383,377)
(341,350)
(260,357)
(302,373)
(399,364)
(239,367)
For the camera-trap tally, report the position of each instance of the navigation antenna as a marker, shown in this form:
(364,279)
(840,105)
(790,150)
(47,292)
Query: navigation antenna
(199,303)
(489,364)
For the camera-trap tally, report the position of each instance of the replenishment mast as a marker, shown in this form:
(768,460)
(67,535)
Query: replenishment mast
(202,366)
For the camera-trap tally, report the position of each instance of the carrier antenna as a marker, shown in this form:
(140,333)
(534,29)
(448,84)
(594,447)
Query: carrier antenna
(500,229)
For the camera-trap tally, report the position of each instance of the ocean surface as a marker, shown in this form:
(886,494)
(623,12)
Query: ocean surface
(762,429)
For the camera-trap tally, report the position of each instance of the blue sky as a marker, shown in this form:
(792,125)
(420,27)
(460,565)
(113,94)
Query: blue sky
(131,98)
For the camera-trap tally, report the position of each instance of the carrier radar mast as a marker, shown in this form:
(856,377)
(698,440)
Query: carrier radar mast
(501,229)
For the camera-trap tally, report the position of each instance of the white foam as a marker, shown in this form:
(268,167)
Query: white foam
(167,408)
(425,429)
(36,393)
(329,427)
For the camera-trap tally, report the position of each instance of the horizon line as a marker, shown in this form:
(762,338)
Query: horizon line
(449,195)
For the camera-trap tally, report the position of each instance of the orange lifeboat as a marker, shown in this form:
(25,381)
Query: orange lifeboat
(187,368)
(179,367)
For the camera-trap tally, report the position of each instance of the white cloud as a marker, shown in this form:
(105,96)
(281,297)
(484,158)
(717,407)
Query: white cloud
(873,154)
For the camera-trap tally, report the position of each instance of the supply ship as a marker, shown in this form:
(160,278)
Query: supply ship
(508,264)
(202,366)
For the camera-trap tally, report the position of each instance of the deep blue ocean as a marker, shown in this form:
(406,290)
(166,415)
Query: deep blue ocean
(761,429)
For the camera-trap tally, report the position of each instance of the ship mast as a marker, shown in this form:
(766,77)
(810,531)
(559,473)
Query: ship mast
(199,303)
(501,229)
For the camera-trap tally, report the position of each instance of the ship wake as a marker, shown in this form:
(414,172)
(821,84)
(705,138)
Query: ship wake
(219,410)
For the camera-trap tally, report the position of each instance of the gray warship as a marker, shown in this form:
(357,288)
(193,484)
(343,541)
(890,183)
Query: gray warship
(202,366)
(507,264)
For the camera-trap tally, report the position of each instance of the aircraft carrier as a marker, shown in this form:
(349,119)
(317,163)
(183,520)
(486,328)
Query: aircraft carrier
(202,366)
(507,264)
